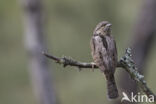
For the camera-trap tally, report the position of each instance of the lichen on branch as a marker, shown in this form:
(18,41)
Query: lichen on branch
(126,62)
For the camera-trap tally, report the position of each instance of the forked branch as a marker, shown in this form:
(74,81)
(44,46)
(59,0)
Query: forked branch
(125,62)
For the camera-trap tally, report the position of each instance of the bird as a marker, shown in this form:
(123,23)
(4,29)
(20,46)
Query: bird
(104,53)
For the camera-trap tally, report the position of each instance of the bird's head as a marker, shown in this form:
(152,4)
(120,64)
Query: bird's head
(103,28)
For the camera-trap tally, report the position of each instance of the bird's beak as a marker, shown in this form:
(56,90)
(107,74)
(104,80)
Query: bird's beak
(109,25)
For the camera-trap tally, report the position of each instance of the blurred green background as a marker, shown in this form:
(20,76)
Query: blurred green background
(68,29)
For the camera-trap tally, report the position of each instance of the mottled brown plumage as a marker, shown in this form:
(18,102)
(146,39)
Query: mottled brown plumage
(104,54)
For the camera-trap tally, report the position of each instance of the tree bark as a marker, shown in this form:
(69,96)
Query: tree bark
(35,44)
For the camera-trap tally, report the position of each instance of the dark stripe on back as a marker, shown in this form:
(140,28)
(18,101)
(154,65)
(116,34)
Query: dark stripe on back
(104,42)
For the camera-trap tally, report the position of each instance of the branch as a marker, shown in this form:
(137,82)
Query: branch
(129,65)
(71,62)
(68,61)
(34,40)
(125,62)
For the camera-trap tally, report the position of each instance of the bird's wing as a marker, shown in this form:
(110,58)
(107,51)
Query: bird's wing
(100,52)
(112,52)
(92,44)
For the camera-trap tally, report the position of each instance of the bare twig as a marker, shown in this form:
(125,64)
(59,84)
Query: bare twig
(125,62)
(71,62)
(68,61)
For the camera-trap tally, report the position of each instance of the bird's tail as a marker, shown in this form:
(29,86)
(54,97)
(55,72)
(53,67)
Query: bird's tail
(111,87)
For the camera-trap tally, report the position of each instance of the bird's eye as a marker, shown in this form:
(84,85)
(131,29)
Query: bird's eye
(104,25)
